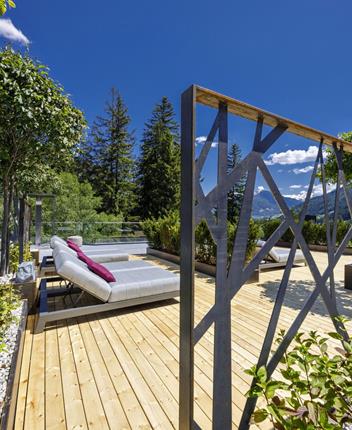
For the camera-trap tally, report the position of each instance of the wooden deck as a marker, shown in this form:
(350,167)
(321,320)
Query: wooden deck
(120,370)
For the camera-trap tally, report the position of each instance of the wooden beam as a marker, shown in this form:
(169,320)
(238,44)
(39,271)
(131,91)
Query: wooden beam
(212,99)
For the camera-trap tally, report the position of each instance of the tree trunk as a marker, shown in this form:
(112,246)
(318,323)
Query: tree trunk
(5,227)
(8,228)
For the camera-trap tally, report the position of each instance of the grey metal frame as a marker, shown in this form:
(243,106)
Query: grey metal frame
(195,206)
(45,316)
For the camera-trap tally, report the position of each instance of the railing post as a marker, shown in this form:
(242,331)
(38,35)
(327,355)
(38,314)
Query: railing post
(38,221)
(186,388)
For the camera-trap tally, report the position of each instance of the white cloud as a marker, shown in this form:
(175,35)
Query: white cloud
(200,140)
(303,170)
(299,196)
(293,156)
(295,186)
(317,191)
(259,189)
(10,32)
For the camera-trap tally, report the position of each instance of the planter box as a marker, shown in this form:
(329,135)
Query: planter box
(319,248)
(29,292)
(207,269)
(9,407)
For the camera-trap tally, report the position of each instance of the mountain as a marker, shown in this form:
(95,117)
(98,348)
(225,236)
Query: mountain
(264,205)
(316,205)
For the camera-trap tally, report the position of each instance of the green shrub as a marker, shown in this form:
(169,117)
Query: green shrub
(269,226)
(314,234)
(164,234)
(342,228)
(315,391)
(311,232)
(205,246)
(15,255)
(9,301)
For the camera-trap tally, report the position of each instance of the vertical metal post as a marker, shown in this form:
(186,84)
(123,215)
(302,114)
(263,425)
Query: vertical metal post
(21,228)
(53,215)
(38,221)
(186,388)
(222,400)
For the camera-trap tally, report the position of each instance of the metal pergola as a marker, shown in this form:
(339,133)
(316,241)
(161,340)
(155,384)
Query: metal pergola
(196,206)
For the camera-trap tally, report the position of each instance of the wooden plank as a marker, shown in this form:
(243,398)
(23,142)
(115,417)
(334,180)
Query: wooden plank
(92,403)
(74,410)
(24,376)
(149,403)
(35,402)
(212,99)
(132,408)
(54,401)
(114,413)
(165,362)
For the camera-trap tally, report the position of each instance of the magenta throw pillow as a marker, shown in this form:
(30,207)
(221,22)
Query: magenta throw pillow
(73,246)
(83,257)
(101,271)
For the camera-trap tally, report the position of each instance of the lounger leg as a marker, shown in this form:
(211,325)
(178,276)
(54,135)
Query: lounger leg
(40,325)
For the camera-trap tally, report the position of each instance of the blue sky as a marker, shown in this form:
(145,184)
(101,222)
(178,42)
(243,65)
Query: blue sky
(292,58)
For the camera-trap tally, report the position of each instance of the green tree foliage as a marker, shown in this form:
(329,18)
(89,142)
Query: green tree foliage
(106,159)
(39,129)
(235,195)
(5,4)
(75,201)
(314,390)
(76,210)
(331,165)
(159,163)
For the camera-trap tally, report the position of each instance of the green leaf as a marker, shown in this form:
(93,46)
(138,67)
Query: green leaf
(335,335)
(260,415)
(262,374)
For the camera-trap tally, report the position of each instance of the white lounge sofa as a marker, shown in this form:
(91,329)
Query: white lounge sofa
(100,256)
(277,256)
(137,282)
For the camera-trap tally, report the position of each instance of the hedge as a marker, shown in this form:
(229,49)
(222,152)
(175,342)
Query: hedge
(164,234)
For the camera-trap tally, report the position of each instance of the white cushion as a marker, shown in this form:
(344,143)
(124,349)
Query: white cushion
(144,282)
(76,239)
(107,258)
(128,265)
(81,276)
(56,239)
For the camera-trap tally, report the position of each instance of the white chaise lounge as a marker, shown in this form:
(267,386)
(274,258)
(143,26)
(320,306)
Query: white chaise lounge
(137,282)
(100,256)
(277,257)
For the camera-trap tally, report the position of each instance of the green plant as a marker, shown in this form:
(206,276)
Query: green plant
(15,255)
(315,388)
(164,234)
(9,301)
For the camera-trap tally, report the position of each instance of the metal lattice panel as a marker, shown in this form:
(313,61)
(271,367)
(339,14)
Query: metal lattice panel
(231,277)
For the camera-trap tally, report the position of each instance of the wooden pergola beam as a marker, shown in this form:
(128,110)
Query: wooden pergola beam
(212,99)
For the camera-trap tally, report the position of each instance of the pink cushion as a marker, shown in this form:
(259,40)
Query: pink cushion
(101,271)
(73,246)
(82,256)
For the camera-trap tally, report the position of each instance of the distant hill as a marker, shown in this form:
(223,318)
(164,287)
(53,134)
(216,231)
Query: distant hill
(264,205)
(316,205)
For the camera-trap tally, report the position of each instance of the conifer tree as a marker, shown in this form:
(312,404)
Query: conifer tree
(235,195)
(159,163)
(106,159)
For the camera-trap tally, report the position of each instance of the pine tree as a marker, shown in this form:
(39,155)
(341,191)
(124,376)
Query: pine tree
(235,195)
(159,163)
(107,158)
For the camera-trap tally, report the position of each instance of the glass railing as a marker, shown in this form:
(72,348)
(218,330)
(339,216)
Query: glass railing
(92,232)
